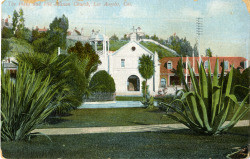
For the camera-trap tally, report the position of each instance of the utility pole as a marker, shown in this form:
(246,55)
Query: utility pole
(199,30)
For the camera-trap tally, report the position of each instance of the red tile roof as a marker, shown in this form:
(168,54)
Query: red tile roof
(232,61)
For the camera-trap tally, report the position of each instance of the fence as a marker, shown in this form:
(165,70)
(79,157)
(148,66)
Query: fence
(99,96)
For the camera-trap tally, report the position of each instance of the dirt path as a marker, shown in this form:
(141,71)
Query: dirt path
(120,129)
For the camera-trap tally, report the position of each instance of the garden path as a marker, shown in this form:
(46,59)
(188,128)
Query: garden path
(121,129)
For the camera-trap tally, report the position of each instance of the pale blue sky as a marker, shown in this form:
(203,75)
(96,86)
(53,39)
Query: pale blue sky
(226,22)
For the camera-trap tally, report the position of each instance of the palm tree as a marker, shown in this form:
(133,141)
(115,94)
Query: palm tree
(146,68)
(61,68)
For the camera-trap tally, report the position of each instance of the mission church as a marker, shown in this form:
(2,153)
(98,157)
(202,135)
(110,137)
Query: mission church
(122,64)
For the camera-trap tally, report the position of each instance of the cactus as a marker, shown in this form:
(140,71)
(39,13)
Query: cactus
(206,107)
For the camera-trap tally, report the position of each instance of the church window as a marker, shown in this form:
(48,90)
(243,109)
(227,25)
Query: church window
(122,62)
(133,48)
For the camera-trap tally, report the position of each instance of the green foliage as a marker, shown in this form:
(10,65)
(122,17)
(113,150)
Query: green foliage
(160,50)
(102,82)
(25,102)
(209,53)
(114,38)
(181,45)
(58,32)
(86,52)
(116,45)
(143,85)
(240,79)
(63,68)
(7,32)
(41,45)
(19,46)
(14,21)
(207,106)
(4,48)
(146,68)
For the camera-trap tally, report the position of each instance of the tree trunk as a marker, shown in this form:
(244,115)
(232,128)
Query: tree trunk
(146,88)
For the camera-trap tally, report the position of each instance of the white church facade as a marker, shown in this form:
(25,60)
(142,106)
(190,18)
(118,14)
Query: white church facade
(122,65)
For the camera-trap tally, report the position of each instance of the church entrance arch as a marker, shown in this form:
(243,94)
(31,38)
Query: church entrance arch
(133,83)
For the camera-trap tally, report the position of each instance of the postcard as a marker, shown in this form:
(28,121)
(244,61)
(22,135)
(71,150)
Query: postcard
(125,78)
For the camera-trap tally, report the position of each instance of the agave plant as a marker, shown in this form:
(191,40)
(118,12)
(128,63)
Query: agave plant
(206,107)
(26,102)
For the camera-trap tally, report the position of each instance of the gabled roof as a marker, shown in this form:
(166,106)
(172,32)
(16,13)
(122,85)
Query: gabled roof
(130,43)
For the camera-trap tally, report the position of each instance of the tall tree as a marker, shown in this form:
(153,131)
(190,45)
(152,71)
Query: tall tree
(58,32)
(15,21)
(21,20)
(209,53)
(146,68)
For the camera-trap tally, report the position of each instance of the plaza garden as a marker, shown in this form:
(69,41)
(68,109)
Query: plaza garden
(48,91)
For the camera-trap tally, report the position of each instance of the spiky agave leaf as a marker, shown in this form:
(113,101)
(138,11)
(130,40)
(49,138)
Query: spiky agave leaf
(26,102)
(208,106)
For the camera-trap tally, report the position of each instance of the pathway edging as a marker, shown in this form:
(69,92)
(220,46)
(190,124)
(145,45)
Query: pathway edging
(120,129)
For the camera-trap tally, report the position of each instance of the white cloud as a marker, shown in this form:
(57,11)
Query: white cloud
(38,16)
(218,7)
(190,13)
(133,12)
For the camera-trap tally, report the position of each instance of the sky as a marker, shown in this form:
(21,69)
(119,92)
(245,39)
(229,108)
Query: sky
(226,25)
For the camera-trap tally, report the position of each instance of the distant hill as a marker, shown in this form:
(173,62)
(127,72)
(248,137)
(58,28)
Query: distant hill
(160,50)
(18,46)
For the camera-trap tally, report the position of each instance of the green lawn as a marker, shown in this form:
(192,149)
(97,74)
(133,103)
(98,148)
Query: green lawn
(170,144)
(108,117)
(111,117)
(160,50)
(116,45)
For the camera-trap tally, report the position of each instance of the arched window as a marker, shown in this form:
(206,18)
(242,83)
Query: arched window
(206,64)
(163,83)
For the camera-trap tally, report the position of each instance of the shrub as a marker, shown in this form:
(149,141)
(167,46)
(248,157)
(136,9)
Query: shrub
(5,47)
(7,32)
(207,105)
(26,102)
(102,82)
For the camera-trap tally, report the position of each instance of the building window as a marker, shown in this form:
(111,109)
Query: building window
(226,64)
(133,48)
(206,64)
(122,62)
(163,83)
(169,65)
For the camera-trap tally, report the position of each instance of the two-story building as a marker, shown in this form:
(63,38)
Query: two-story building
(169,80)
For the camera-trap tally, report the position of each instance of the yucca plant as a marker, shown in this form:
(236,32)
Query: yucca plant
(206,107)
(25,102)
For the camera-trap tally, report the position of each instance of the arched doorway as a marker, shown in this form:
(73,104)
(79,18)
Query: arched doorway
(133,83)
